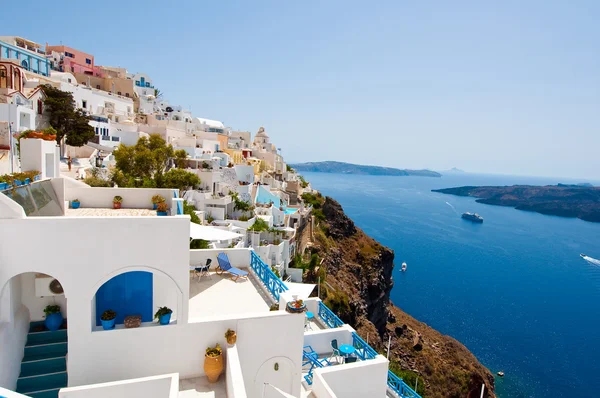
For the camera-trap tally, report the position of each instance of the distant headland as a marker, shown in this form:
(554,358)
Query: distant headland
(349,168)
(564,200)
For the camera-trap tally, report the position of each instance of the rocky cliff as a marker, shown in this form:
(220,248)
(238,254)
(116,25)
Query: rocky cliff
(356,281)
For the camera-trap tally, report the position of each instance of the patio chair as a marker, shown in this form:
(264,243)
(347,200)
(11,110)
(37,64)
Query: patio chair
(225,266)
(310,357)
(203,270)
(336,351)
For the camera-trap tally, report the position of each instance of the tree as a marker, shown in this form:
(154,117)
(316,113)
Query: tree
(145,164)
(68,121)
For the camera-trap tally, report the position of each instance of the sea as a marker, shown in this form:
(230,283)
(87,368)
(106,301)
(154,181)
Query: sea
(514,290)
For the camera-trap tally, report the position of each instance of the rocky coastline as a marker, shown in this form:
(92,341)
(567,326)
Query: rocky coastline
(356,281)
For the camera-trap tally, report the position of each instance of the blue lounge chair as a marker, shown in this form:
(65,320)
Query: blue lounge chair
(225,266)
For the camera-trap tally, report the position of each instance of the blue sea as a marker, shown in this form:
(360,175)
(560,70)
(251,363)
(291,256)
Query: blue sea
(514,289)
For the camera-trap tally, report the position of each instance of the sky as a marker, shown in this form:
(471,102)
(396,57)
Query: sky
(509,87)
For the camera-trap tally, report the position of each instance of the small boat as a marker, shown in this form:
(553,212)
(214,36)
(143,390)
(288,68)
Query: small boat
(501,374)
(583,255)
(403,267)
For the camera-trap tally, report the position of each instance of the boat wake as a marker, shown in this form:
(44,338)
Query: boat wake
(452,207)
(591,260)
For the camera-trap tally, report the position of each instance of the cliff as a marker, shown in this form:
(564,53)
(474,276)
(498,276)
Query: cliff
(581,201)
(349,168)
(356,281)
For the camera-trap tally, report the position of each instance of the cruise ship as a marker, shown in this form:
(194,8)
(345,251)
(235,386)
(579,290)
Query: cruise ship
(472,217)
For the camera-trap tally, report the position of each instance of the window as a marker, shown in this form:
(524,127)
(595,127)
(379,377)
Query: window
(127,95)
(84,104)
(40,108)
(118,92)
(88,61)
(69,55)
(98,86)
(69,80)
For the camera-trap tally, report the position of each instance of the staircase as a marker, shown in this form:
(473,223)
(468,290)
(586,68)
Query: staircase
(44,365)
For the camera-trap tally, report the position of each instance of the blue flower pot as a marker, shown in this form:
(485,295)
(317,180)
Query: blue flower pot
(161,213)
(3,186)
(37,177)
(18,183)
(165,319)
(154,206)
(53,321)
(27,181)
(108,325)
(75,205)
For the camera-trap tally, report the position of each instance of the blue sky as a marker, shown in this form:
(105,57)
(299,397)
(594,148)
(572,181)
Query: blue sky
(511,87)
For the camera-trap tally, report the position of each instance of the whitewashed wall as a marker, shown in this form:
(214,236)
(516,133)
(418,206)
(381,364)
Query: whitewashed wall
(164,386)
(133,198)
(356,380)
(233,374)
(239,258)
(34,153)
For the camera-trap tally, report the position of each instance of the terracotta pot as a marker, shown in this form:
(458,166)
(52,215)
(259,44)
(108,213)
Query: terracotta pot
(232,339)
(116,205)
(213,367)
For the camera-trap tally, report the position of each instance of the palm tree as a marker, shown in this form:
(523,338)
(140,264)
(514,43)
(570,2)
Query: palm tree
(157,93)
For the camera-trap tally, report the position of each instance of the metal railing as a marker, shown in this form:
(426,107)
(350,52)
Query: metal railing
(363,350)
(400,387)
(328,317)
(273,284)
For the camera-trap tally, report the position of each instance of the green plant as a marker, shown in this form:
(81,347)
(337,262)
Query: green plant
(276,272)
(191,211)
(214,351)
(303,182)
(108,315)
(156,199)
(210,219)
(75,201)
(274,307)
(199,244)
(243,217)
(69,121)
(162,207)
(229,333)
(259,225)
(51,309)
(117,199)
(97,182)
(162,311)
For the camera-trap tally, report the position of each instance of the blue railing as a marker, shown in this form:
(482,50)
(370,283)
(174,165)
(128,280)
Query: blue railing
(327,316)
(179,207)
(363,350)
(400,387)
(266,276)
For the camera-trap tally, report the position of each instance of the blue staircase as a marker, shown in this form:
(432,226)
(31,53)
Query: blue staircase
(44,365)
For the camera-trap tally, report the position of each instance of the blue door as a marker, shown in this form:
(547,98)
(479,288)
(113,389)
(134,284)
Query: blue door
(127,294)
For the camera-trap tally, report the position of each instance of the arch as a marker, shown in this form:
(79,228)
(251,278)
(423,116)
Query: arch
(284,377)
(164,288)
(24,64)
(3,77)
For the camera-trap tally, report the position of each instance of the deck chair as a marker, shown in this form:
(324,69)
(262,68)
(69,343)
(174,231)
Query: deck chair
(336,353)
(203,270)
(310,357)
(225,266)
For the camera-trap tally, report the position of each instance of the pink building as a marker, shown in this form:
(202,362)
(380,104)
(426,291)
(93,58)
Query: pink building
(67,59)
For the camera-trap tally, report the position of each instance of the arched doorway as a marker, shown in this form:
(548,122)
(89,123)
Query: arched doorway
(277,371)
(33,358)
(24,64)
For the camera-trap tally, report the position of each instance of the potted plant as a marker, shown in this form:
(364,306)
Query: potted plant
(162,209)
(230,336)
(156,199)
(4,183)
(108,319)
(117,200)
(163,315)
(54,318)
(75,204)
(296,306)
(213,363)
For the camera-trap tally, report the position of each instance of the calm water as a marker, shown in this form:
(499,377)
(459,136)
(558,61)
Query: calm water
(513,289)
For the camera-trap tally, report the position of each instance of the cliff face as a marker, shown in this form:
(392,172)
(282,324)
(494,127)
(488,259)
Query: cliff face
(356,281)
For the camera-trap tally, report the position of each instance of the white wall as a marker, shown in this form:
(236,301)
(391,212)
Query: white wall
(164,386)
(239,258)
(14,325)
(356,380)
(33,156)
(95,100)
(133,198)
(37,304)
(320,340)
(233,374)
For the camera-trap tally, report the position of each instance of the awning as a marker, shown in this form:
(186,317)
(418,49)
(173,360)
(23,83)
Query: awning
(211,233)
(302,290)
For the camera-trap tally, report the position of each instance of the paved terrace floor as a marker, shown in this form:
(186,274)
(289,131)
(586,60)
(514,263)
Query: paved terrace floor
(199,387)
(218,296)
(94,212)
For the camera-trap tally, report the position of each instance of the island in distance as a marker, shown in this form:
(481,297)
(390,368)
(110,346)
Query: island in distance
(349,168)
(564,200)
